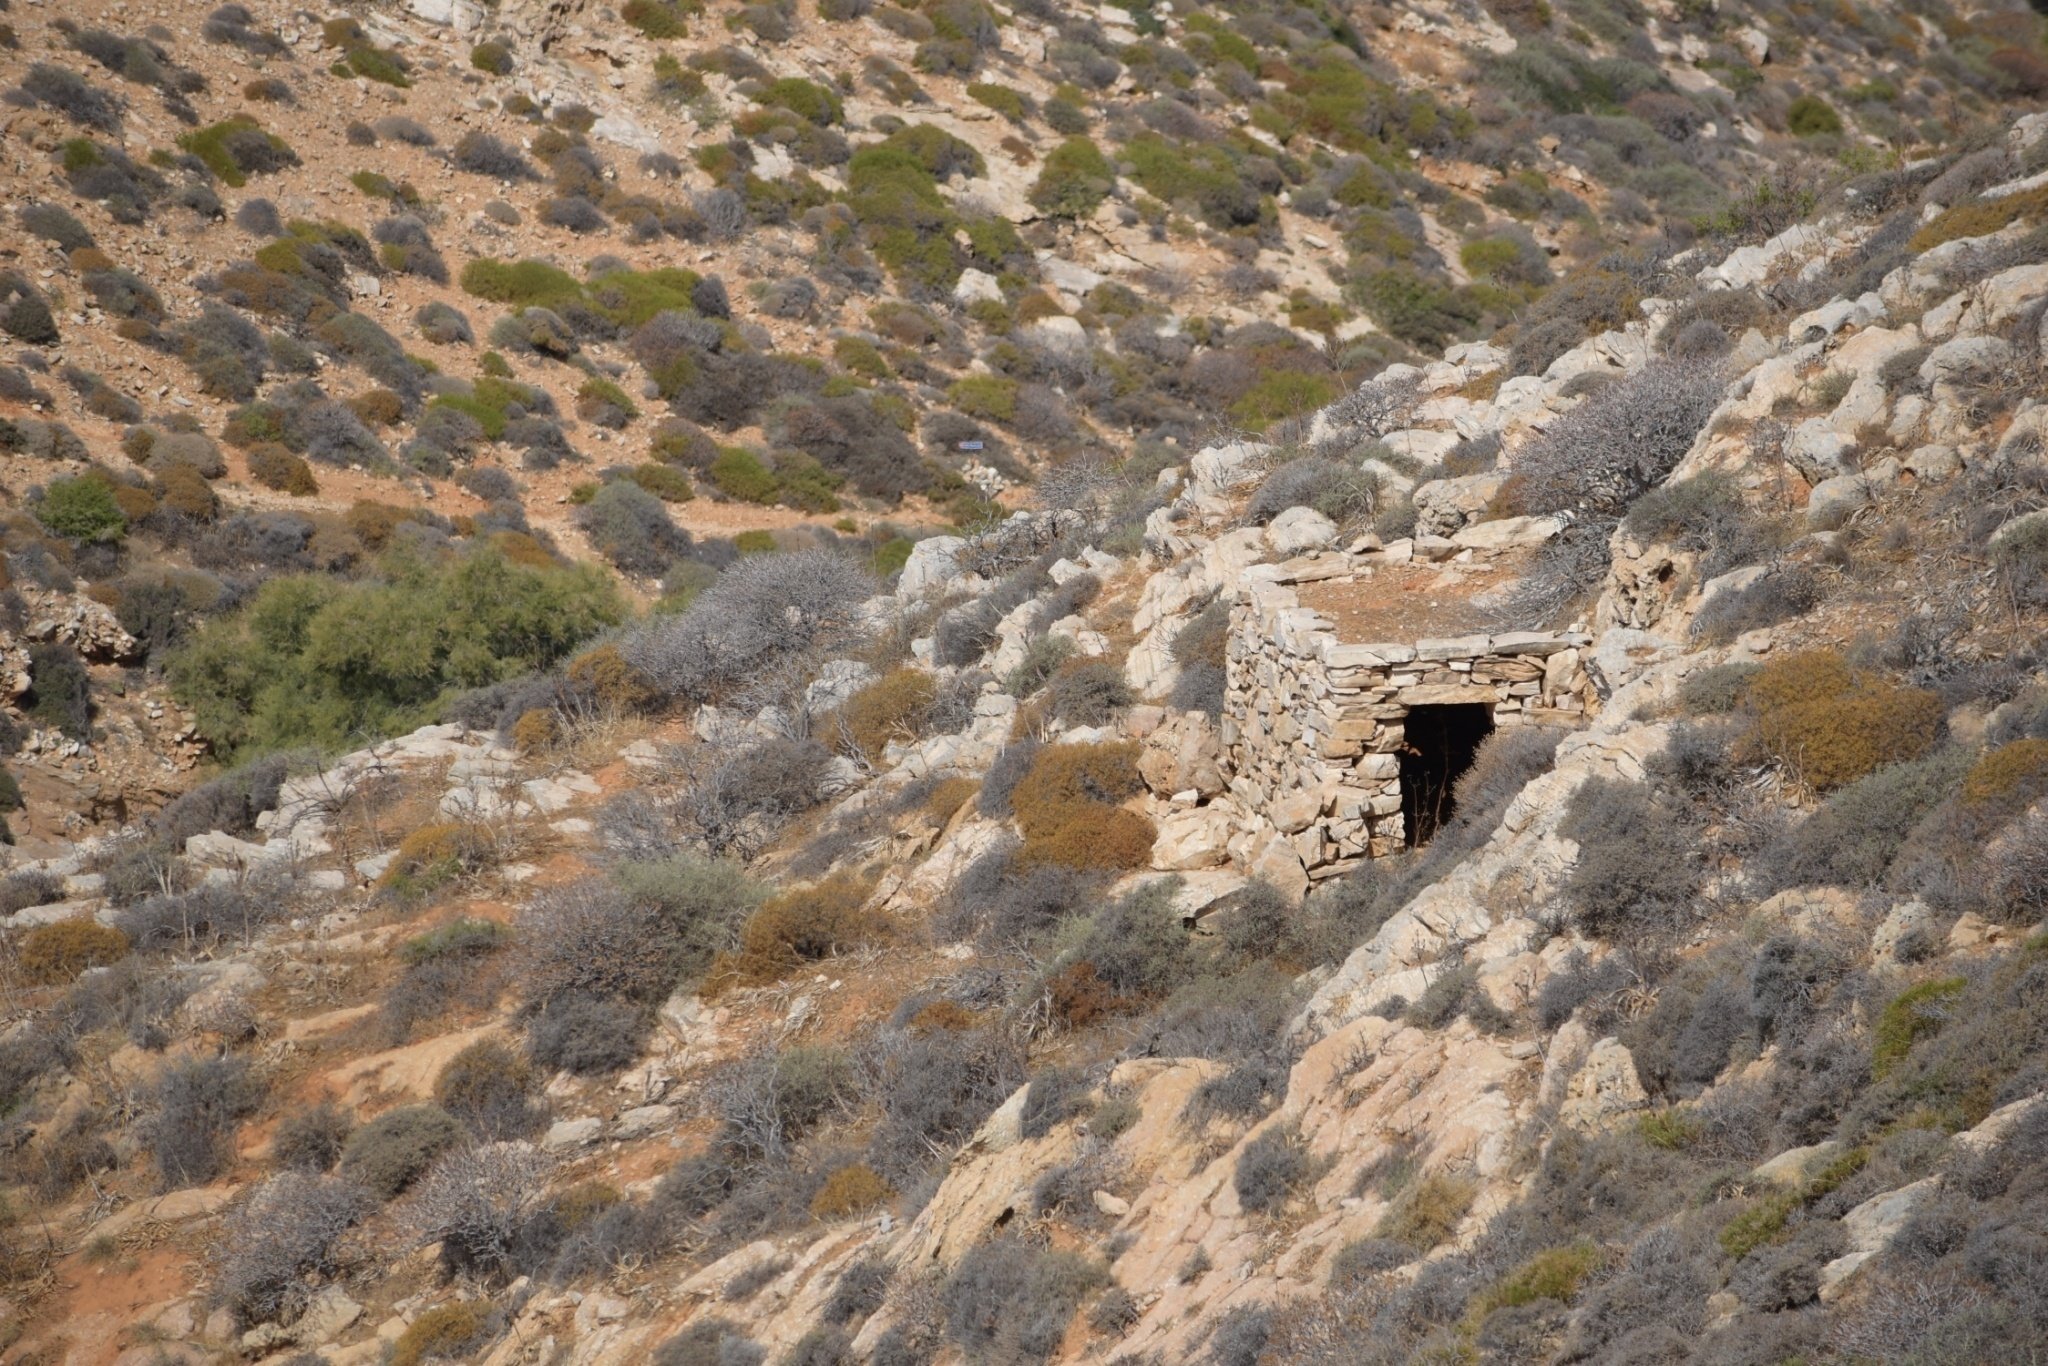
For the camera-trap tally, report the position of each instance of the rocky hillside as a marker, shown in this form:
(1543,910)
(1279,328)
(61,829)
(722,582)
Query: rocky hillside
(727,685)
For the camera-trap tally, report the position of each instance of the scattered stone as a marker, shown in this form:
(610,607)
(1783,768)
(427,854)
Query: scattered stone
(565,1134)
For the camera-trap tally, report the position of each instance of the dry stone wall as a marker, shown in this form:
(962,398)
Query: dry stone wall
(1313,726)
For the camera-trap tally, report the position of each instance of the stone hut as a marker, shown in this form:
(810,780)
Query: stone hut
(1346,744)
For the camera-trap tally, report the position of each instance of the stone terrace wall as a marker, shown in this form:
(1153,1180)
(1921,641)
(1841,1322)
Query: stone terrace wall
(1312,725)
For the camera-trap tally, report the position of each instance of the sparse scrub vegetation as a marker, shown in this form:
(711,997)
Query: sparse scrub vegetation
(816,894)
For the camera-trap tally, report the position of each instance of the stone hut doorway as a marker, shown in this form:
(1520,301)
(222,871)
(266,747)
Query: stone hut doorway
(1440,742)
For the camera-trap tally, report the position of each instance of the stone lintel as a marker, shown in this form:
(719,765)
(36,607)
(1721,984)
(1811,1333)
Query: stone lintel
(1448,695)
(1340,655)
(1453,647)
(1538,642)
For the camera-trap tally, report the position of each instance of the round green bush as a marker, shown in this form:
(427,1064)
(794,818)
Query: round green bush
(82,509)
(391,1151)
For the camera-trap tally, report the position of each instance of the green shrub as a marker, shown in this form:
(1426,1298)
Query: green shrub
(1428,1212)
(82,508)
(378,64)
(237,148)
(447,1332)
(1074,180)
(665,482)
(523,283)
(1763,1222)
(1553,1274)
(1283,394)
(600,401)
(990,397)
(1002,98)
(660,19)
(739,473)
(1982,217)
(1810,116)
(391,1151)
(808,100)
(1909,1017)
(312,660)
(1671,1129)
(493,58)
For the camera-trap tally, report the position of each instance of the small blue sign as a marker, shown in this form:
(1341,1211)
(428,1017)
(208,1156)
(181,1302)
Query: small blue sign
(970,445)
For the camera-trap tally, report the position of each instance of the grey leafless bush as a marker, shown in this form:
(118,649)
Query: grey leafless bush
(280,1239)
(477,1202)
(1374,408)
(1604,454)
(764,610)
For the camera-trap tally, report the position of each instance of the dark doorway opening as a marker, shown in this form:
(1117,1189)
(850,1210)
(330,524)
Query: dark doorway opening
(1440,744)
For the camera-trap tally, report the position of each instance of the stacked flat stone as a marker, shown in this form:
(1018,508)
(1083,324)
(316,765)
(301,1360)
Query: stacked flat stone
(1313,726)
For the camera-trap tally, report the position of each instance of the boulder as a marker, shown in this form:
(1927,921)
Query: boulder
(1192,839)
(1790,1168)
(1835,315)
(1059,334)
(1298,530)
(1832,500)
(1183,755)
(644,1120)
(622,131)
(933,567)
(1908,922)
(1605,1090)
(1934,463)
(1870,1227)
(565,1134)
(1218,469)
(1276,862)
(1965,356)
(1443,506)
(837,681)
(1507,533)
(1817,450)
(977,286)
(87,626)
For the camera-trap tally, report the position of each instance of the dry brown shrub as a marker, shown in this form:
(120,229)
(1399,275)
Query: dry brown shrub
(54,954)
(1831,724)
(803,925)
(848,1191)
(893,707)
